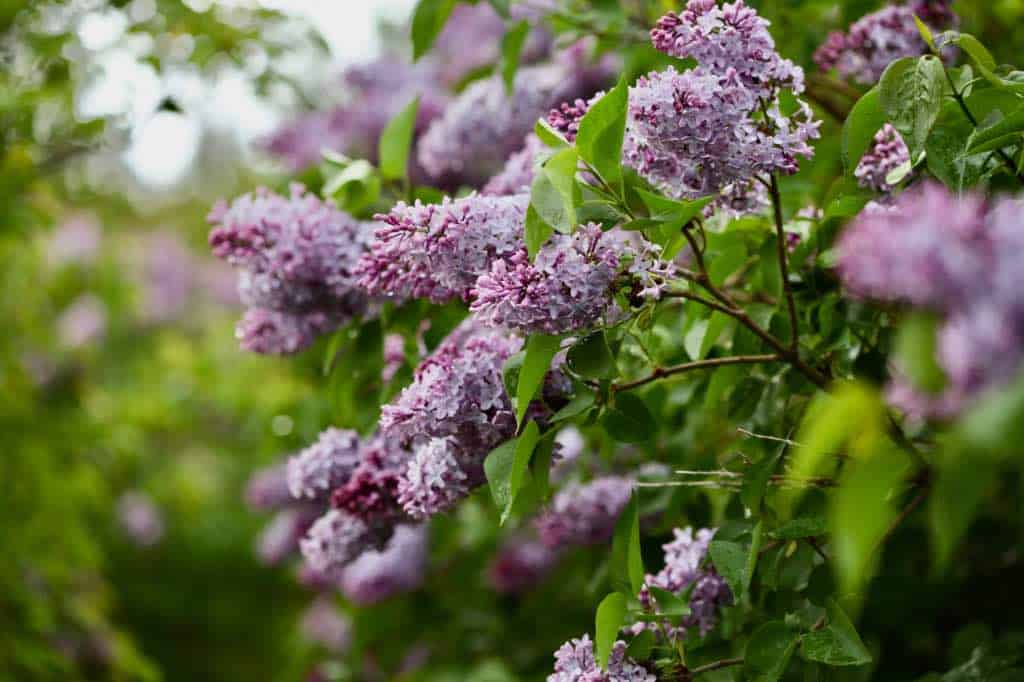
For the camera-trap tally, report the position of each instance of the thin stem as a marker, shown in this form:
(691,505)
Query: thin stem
(724,663)
(700,299)
(762,436)
(662,372)
(898,521)
(780,234)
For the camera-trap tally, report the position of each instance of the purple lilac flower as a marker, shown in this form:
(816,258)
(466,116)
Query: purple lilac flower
(887,153)
(437,251)
(732,38)
(394,356)
(400,567)
(337,538)
(518,173)
(880,38)
(575,662)
(520,564)
(140,518)
(568,287)
(280,538)
(485,124)
(324,465)
(957,257)
(371,492)
(436,478)
(683,568)
(323,624)
(584,514)
(296,256)
(83,322)
(566,117)
(267,488)
(694,133)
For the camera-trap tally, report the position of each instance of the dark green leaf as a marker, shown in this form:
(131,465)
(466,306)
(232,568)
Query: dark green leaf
(629,420)
(591,357)
(865,120)
(396,140)
(838,644)
(580,403)
(627,561)
(525,444)
(911,93)
(428,19)
(730,560)
(540,349)
(803,527)
(769,651)
(995,136)
(611,614)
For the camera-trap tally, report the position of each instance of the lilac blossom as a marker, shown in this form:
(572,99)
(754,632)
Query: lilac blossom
(485,124)
(569,286)
(83,323)
(140,518)
(398,568)
(575,662)
(520,564)
(324,465)
(337,538)
(584,514)
(684,570)
(371,491)
(732,41)
(880,38)
(269,332)
(887,153)
(267,488)
(436,478)
(323,624)
(437,251)
(280,538)
(394,356)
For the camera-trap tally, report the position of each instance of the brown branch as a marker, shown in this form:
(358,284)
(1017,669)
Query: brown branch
(724,663)
(780,234)
(662,372)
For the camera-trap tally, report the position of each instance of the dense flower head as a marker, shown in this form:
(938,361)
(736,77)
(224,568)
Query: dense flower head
(437,251)
(337,538)
(486,124)
(397,568)
(887,153)
(731,37)
(269,332)
(296,255)
(566,117)
(324,465)
(876,40)
(517,174)
(694,133)
(575,662)
(958,257)
(436,478)
(584,513)
(568,287)
(520,564)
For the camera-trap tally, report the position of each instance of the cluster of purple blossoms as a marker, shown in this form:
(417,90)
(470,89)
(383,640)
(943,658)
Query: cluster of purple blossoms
(876,40)
(569,286)
(296,258)
(437,251)
(398,568)
(957,257)
(575,662)
(887,153)
(683,571)
(520,564)
(324,465)
(584,513)
(267,490)
(486,124)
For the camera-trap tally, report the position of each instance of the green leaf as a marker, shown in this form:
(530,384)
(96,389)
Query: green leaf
(611,614)
(671,209)
(838,644)
(962,482)
(580,403)
(803,527)
(396,140)
(755,481)
(864,121)
(501,7)
(730,560)
(498,470)
(916,347)
(627,560)
(769,651)
(428,19)
(540,466)
(600,135)
(752,554)
(926,34)
(510,372)
(354,187)
(540,349)
(537,232)
(548,135)
(591,357)
(978,53)
(511,47)
(996,136)
(911,92)
(555,193)
(629,420)
(525,444)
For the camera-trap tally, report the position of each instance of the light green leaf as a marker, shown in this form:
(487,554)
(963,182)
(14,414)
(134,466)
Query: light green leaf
(525,444)
(911,92)
(396,140)
(580,403)
(627,560)
(428,19)
(540,349)
(998,135)
(537,232)
(730,560)
(838,644)
(555,193)
(865,119)
(916,348)
(611,614)
(498,470)
(511,47)
(600,135)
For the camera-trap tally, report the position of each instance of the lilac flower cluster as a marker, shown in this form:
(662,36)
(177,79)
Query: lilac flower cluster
(683,570)
(878,39)
(437,251)
(398,568)
(569,286)
(485,124)
(575,662)
(520,564)
(887,153)
(296,257)
(325,465)
(267,490)
(955,256)
(584,514)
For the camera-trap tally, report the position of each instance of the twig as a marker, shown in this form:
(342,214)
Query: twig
(762,436)
(780,233)
(898,521)
(724,663)
(662,372)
